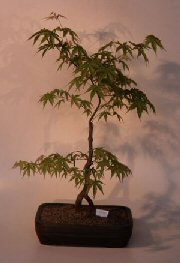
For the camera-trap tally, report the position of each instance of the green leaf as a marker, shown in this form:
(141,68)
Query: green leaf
(138,100)
(54,15)
(153,42)
(96,185)
(125,48)
(105,161)
(104,115)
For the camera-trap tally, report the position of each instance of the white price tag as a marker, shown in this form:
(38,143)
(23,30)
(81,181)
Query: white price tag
(102,213)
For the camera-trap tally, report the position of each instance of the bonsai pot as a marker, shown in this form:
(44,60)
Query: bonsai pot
(62,224)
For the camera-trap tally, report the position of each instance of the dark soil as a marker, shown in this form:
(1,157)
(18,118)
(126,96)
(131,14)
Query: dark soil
(67,214)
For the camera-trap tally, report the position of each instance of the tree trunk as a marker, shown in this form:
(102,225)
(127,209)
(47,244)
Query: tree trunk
(85,191)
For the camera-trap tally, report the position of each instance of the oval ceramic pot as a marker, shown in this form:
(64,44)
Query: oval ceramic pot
(79,234)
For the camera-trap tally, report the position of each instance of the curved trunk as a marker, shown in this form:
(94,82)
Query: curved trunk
(86,188)
(85,191)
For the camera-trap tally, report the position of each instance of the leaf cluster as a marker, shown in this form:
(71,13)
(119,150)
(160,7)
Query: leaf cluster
(57,97)
(68,167)
(103,74)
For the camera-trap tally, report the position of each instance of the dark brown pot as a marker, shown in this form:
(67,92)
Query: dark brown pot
(93,235)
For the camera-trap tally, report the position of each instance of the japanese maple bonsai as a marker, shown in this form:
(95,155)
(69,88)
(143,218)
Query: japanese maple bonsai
(102,89)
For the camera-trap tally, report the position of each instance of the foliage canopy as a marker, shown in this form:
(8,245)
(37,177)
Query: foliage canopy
(102,89)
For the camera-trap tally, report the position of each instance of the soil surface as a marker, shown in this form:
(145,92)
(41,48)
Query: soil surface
(67,214)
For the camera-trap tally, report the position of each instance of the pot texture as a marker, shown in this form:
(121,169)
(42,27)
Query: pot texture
(83,228)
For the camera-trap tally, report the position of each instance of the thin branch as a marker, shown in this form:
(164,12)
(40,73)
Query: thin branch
(96,110)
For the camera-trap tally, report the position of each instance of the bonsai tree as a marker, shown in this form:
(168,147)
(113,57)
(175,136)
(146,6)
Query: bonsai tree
(101,89)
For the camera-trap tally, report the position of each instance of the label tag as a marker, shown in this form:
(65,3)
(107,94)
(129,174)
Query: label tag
(102,213)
